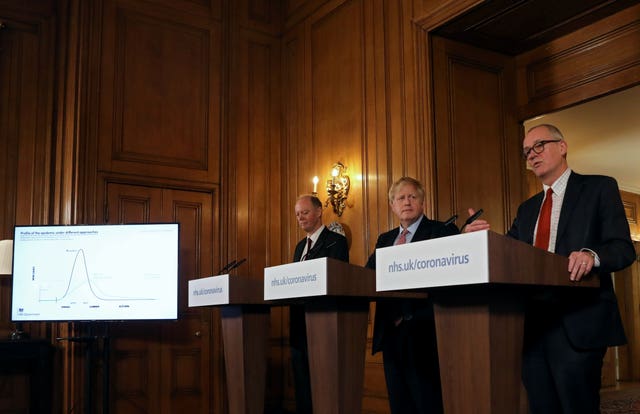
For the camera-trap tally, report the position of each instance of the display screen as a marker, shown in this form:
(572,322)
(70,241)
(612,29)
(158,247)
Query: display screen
(95,272)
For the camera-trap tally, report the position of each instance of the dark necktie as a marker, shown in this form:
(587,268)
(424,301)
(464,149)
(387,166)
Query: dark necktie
(544,222)
(406,307)
(309,242)
(403,237)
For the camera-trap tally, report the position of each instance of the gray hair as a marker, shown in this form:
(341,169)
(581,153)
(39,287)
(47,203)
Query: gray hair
(553,130)
(403,181)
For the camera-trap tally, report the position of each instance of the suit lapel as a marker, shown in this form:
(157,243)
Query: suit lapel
(297,254)
(318,244)
(571,196)
(423,232)
(529,220)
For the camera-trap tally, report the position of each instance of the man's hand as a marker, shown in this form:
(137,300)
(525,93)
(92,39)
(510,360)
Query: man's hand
(476,225)
(580,264)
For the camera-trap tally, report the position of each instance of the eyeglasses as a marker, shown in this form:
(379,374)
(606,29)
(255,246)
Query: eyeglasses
(538,147)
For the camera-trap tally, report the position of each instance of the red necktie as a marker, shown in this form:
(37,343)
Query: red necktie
(309,242)
(403,237)
(544,222)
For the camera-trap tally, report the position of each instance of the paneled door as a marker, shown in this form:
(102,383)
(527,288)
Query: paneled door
(168,366)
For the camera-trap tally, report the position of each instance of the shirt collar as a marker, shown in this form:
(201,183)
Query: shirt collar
(559,185)
(316,234)
(414,226)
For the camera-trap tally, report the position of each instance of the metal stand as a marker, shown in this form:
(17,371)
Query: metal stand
(92,341)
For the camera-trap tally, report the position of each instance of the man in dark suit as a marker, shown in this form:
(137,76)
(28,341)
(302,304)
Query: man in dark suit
(320,242)
(567,332)
(404,330)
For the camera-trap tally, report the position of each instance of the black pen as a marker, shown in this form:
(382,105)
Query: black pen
(451,220)
(471,219)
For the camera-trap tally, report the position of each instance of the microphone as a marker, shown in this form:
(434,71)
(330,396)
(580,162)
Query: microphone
(237,264)
(471,219)
(451,220)
(227,266)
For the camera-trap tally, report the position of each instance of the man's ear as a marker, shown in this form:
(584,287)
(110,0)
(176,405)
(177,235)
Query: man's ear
(563,148)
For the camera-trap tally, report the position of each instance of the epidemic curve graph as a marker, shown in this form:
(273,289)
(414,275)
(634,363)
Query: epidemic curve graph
(95,272)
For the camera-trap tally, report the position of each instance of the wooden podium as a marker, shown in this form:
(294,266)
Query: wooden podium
(336,322)
(336,316)
(245,333)
(480,324)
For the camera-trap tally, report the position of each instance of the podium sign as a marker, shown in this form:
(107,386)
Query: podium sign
(446,261)
(208,291)
(296,280)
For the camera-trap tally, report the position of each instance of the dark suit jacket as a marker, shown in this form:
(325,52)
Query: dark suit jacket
(329,244)
(388,311)
(592,216)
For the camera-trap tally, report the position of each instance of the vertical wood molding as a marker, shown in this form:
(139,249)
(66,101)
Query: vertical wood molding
(477,151)
(254,151)
(255,180)
(29,122)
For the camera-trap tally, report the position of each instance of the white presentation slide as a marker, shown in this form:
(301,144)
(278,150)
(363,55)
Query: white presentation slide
(95,272)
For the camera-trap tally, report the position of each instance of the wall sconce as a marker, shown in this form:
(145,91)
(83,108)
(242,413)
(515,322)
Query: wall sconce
(338,188)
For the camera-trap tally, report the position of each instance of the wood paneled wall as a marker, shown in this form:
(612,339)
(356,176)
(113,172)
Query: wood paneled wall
(594,61)
(628,292)
(229,108)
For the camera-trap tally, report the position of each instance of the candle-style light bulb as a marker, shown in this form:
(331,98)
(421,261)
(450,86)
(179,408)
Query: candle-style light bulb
(315,184)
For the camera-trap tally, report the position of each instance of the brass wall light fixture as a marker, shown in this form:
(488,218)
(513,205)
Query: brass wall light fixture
(338,188)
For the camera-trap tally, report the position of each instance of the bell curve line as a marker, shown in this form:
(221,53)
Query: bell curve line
(91,287)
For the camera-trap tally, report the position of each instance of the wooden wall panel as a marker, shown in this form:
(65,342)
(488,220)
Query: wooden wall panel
(254,169)
(26,95)
(478,160)
(264,16)
(335,131)
(627,284)
(330,112)
(27,62)
(206,9)
(253,173)
(594,61)
(161,95)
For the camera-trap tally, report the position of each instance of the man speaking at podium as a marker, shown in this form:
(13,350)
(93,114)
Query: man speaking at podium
(567,333)
(404,330)
(320,242)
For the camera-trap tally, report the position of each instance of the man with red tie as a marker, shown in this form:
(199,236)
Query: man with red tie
(404,330)
(319,242)
(567,332)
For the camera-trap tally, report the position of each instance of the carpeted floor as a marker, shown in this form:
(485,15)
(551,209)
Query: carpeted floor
(626,401)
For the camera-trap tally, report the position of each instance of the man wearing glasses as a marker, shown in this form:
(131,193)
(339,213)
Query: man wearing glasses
(567,332)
